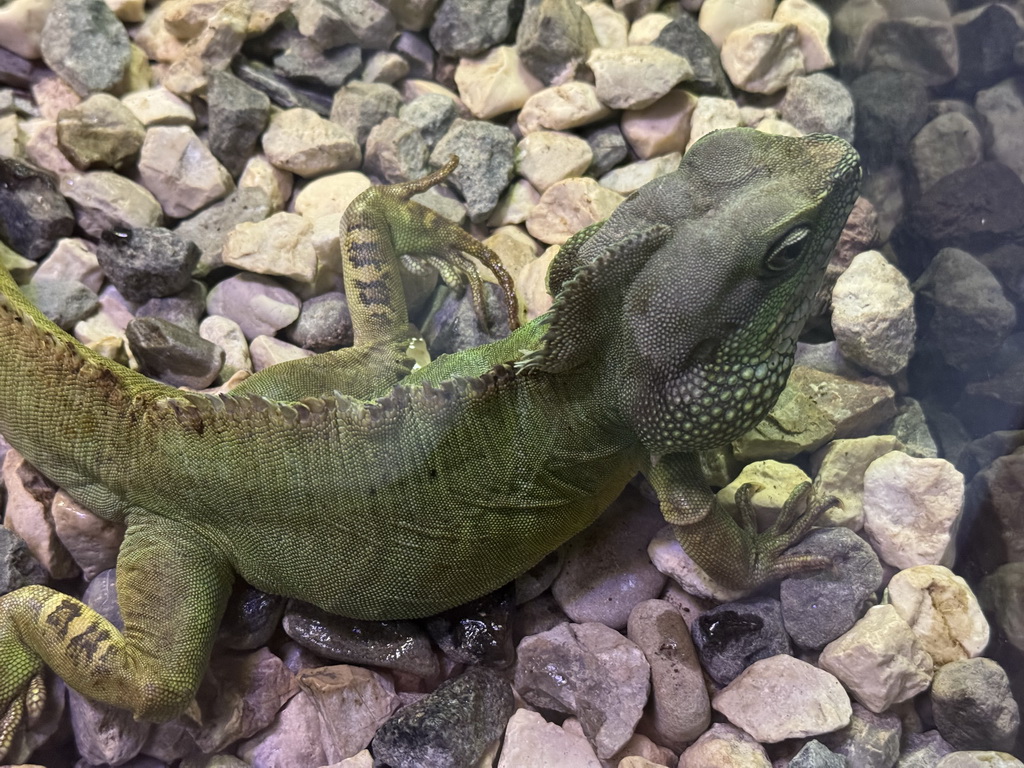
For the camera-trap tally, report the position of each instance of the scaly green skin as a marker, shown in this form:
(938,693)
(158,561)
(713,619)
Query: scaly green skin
(673,331)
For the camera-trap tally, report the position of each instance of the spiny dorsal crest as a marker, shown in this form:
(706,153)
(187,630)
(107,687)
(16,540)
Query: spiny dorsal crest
(577,320)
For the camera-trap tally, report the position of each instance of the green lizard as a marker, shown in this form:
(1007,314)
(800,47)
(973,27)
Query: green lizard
(673,331)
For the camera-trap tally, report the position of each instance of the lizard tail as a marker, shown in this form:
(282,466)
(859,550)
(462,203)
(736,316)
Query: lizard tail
(63,406)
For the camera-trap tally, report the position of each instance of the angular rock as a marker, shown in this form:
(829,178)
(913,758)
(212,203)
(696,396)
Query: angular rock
(470,27)
(819,607)
(449,728)
(101,131)
(63,301)
(180,171)
(478,632)
(359,106)
(33,214)
(732,636)
(636,76)
(879,660)
(302,142)
(258,304)
(172,354)
(782,698)
(105,200)
(238,113)
(869,739)
(554,38)
(531,740)
(85,43)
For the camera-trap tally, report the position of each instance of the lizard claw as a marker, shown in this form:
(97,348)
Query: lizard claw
(25,709)
(797,517)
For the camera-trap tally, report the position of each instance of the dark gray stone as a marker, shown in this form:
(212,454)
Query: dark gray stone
(14,70)
(279,89)
(395,151)
(250,619)
(554,39)
(986,44)
(63,301)
(449,728)
(814,754)
(819,103)
(486,163)
(962,310)
(479,632)
(324,323)
(400,645)
(609,147)
(732,636)
(973,705)
(818,607)
(238,113)
(304,61)
(84,43)
(172,354)
(431,113)
(684,37)
(923,750)
(209,228)
(147,261)
(418,52)
(183,309)
(18,566)
(471,27)
(536,616)
(360,106)
(33,214)
(869,741)
(451,324)
(976,208)
(890,109)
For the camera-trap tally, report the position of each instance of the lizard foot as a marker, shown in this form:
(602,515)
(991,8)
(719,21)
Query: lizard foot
(798,514)
(22,691)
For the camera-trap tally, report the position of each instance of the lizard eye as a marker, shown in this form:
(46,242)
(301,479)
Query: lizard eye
(787,250)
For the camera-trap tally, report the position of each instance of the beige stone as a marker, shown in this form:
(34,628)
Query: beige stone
(561,107)
(719,18)
(92,541)
(302,142)
(611,27)
(158,106)
(515,205)
(546,157)
(568,206)
(630,178)
(636,76)
(330,194)
(532,285)
(763,57)
(495,83)
(713,113)
(21,26)
(180,171)
(646,29)
(280,245)
(813,27)
(515,249)
(106,200)
(662,127)
(260,173)
(266,351)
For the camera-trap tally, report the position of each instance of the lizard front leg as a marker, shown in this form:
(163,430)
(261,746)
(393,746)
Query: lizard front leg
(732,552)
(382,228)
(171,594)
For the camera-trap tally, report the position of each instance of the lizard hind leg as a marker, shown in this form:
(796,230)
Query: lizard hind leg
(171,593)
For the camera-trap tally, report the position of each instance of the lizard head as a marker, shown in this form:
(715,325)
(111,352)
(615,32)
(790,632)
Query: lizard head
(711,320)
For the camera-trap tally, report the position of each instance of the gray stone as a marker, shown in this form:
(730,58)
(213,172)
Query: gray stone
(63,301)
(324,323)
(449,728)
(684,37)
(890,108)
(472,27)
(948,143)
(819,103)
(101,131)
(870,740)
(209,228)
(33,214)
(477,632)
(106,200)
(85,43)
(609,148)
(814,754)
(18,566)
(732,636)
(359,106)
(238,113)
(819,607)
(486,163)
(607,571)
(590,671)
(172,354)
(987,38)
(183,309)
(395,151)
(147,261)
(431,113)
(554,39)
(304,61)
(280,90)
(923,750)
(398,645)
(1002,594)
(970,316)
(973,705)
(679,709)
